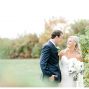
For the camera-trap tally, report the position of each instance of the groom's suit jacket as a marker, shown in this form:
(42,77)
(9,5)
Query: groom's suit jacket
(49,61)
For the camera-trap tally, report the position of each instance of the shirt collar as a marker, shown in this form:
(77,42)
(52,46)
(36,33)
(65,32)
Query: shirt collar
(53,42)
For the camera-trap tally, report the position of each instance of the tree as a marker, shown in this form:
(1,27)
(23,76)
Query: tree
(22,47)
(50,25)
(80,26)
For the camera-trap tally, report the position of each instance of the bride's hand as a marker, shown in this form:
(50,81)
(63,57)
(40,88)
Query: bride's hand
(61,53)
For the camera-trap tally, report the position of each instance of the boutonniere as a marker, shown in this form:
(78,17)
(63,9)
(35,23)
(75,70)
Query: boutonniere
(58,48)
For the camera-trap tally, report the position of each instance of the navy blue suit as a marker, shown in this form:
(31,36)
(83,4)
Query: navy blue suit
(49,61)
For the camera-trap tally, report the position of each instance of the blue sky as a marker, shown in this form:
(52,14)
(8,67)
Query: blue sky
(18,17)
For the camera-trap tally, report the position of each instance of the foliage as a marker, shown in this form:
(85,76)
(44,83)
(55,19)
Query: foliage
(45,36)
(36,51)
(5,47)
(22,47)
(79,26)
(84,41)
(86,74)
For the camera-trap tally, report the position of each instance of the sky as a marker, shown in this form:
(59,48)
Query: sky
(19,17)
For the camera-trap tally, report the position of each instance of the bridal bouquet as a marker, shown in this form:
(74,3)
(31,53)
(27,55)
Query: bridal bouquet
(75,68)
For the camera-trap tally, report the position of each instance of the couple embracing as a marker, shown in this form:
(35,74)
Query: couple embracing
(52,72)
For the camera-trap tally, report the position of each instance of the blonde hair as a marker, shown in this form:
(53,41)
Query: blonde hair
(77,46)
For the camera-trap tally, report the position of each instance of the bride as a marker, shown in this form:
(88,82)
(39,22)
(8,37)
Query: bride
(70,57)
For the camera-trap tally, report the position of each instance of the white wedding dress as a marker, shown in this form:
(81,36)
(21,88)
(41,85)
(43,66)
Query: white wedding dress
(67,80)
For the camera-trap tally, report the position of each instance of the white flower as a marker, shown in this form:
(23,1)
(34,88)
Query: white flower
(58,47)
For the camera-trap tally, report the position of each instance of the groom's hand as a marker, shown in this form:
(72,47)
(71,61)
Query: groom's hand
(52,78)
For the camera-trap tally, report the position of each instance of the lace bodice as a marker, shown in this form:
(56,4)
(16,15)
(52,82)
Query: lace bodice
(65,62)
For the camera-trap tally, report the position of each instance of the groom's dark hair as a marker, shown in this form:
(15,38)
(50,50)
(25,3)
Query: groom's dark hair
(56,33)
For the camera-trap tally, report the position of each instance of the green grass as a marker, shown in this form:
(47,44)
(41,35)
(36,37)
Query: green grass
(26,73)
(20,73)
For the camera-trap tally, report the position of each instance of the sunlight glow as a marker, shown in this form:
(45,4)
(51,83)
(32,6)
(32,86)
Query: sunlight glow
(19,17)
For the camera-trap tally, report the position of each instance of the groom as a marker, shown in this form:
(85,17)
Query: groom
(49,59)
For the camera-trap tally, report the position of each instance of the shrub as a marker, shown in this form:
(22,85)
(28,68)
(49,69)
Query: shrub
(5,47)
(36,51)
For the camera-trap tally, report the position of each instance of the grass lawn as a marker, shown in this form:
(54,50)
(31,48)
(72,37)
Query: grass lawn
(25,73)
(20,73)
